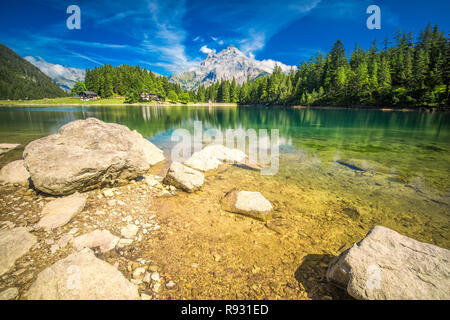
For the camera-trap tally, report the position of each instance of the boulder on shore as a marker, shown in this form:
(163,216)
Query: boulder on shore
(88,154)
(14,243)
(82,276)
(249,203)
(15,173)
(386,265)
(184,178)
(60,211)
(213,155)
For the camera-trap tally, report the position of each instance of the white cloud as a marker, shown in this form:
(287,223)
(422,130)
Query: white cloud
(207,50)
(165,36)
(63,76)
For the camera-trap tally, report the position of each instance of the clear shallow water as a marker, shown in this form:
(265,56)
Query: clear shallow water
(405,155)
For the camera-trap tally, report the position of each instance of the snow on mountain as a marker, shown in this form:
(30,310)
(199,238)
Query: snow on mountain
(65,77)
(225,65)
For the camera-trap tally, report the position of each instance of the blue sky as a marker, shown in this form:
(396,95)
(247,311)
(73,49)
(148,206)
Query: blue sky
(173,36)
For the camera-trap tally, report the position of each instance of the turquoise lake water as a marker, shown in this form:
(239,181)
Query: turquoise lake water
(390,164)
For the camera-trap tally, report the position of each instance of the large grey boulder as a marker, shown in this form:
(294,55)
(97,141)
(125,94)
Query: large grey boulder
(14,243)
(388,265)
(249,203)
(88,154)
(211,156)
(82,276)
(5,147)
(184,177)
(15,173)
(60,211)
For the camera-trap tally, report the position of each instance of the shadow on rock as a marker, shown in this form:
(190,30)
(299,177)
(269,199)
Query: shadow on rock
(311,274)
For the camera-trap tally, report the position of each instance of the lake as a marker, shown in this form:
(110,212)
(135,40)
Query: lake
(367,167)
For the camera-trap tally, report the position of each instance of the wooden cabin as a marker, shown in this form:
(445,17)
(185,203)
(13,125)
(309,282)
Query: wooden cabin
(88,95)
(148,97)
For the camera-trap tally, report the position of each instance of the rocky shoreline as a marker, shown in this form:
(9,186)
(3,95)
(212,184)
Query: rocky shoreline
(74,227)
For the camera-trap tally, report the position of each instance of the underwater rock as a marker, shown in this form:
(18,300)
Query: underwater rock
(60,211)
(5,147)
(387,265)
(248,203)
(88,154)
(82,276)
(350,166)
(183,177)
(15,173)
(352,213)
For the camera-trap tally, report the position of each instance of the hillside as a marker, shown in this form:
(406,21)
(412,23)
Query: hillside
(228,64)
(19,79)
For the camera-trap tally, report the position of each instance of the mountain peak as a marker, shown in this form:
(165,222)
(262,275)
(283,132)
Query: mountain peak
(225,65)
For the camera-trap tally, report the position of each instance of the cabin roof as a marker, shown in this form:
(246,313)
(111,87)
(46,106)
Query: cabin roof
(89,92)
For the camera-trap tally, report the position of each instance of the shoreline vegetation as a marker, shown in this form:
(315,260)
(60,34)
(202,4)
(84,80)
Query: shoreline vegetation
(120,101)
(117,101)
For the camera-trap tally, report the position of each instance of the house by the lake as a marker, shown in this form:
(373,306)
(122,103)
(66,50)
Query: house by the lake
(88,95)
(148,97)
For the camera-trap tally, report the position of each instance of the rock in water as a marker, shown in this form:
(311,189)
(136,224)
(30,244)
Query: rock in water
(60,211)
(248,203)
(87,154)
(184,177)
(15,173)
(211,156)
(14,243)
(97,238)
(5,147)
(81,276)
(388,265)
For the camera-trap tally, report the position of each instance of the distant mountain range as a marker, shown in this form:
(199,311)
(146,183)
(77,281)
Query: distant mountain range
(19,79)
(65,77)
(31,77)
(228,64)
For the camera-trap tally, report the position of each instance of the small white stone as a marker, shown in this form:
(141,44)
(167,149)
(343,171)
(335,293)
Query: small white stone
(145,297)
(155,277)
(124,242)
(146,278)
(138,273)
(156,287)
(170,285)
(129,231)
(108,193)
